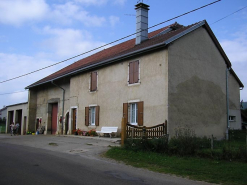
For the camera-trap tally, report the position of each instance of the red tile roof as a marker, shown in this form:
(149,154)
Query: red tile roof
(112,52)
(122,50)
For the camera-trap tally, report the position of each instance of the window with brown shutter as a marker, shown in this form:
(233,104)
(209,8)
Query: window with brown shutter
(134,72)
(92,116)
(133,112)
(93,85)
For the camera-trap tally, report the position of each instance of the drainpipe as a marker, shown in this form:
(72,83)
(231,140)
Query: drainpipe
(63,102)
(227,104)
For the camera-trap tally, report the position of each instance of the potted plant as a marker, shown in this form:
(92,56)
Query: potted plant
(92,132)
(77,131)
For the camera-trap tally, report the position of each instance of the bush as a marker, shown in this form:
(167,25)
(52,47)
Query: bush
(185,143)
(159,145)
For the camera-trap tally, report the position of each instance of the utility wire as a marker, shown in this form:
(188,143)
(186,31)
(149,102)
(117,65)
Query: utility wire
(228,15)
(108,43)
(13,92)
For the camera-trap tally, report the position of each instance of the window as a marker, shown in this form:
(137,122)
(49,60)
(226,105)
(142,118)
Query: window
(134,72)
(92,116)
(133,112)
(93,81)
(232,118)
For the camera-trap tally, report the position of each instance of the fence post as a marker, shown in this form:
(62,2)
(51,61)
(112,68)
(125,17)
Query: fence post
(123,131)
(212,142)
(165,127)
(144,132)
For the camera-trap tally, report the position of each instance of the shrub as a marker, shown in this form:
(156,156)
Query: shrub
(92,132)
(159,145)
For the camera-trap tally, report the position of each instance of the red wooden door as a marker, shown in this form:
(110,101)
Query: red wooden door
(54,118)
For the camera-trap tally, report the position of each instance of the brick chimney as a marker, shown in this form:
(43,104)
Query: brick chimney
(141,22)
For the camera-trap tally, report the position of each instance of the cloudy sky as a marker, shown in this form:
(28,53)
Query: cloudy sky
(38,33)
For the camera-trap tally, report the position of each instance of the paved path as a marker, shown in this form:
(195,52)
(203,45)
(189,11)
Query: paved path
(85,152)
(84,145)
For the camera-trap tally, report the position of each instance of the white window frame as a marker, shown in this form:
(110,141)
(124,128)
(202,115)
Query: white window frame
(91,116)
(130,111)
(133,113)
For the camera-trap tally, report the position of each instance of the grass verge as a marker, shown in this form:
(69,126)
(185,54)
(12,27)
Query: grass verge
(224,172)
(3,127)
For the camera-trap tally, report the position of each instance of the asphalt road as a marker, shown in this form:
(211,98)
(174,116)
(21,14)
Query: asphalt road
(70,160)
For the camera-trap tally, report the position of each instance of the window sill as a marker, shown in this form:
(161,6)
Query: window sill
(135,84)
(93,91)
(92,127)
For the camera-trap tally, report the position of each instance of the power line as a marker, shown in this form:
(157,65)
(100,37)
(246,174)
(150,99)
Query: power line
(108,43)
(228,15)
(13,92)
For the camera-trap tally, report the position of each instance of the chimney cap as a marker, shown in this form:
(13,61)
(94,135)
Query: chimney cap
(142,5)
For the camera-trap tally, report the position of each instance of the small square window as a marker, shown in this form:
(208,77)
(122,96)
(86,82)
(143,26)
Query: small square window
(232,118)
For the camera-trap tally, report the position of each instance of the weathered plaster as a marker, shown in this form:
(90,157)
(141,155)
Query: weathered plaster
(197,85)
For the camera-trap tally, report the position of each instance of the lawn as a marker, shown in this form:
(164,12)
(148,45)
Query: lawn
(213,171)
(2,128)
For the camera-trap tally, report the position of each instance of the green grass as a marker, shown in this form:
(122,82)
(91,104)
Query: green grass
(3,127)
(224,172)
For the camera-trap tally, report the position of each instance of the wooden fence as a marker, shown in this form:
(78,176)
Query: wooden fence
(133,131)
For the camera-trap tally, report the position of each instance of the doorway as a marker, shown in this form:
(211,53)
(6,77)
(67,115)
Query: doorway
(54,118)
(66,123)
(19,120)
(73,119)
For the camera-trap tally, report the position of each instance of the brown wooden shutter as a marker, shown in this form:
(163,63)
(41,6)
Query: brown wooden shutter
(97,116)
(125,112)
(87,116)
(131,72)
(140,113)
(136,72)
(93,81)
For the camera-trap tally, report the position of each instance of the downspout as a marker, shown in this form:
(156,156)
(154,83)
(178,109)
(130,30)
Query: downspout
(227,104)
(63,102)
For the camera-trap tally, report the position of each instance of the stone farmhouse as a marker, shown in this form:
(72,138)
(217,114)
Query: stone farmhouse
(177,73)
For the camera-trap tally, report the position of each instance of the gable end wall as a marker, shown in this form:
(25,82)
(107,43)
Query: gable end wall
(197,86)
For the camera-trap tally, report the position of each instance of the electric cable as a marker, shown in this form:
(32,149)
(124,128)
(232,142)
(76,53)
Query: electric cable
(228,15)
(108,43)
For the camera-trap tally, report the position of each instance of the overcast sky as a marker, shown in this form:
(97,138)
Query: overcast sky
(38,33)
